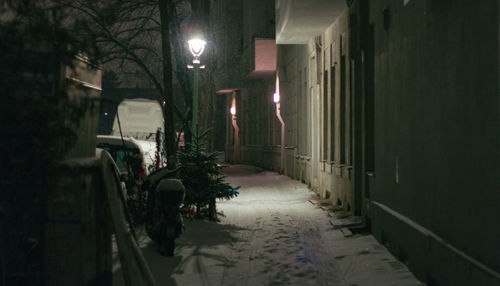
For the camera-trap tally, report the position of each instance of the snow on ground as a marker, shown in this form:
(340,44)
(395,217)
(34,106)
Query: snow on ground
(272,235)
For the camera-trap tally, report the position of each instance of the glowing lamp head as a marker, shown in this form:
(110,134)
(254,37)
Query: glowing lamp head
(196,46)
(276,97)
(233,110)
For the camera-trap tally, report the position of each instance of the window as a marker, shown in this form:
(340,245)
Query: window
(342,107)
(342,110)
(325,153)
(303,116)
(333,112)
(299,114)
(333,86)
(305,110)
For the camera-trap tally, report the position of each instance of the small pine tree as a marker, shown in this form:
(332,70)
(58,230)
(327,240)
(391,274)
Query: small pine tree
(203,179)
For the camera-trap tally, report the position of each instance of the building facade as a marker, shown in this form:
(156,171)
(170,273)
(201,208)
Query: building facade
(391,111)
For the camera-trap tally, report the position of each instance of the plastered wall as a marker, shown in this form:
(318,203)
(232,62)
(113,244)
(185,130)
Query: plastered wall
(436,138)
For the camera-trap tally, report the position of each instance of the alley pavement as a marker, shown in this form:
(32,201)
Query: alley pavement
(272,234)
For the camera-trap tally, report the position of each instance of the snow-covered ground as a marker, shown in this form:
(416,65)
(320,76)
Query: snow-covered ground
(272,235)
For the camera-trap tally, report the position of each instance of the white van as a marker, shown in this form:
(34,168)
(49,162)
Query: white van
(140,119)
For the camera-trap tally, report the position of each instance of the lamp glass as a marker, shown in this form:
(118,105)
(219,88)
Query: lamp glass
(196,46)
(233,110)
(276,97)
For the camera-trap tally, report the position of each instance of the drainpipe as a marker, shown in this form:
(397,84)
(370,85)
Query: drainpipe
(276,99)
(236,147)
(278,114)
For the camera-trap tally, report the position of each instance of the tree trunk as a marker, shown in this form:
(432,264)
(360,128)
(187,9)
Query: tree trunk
(181,63)
(212,209)
(168,110)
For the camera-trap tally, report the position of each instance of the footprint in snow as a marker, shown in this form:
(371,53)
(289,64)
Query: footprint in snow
(301,274)
(268,262)
(303,259)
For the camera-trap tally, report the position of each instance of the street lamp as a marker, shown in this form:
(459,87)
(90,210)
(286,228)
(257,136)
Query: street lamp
(276,99)
(196,47)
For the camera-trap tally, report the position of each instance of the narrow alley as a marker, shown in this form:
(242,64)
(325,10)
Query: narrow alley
(361,142)
(272,234)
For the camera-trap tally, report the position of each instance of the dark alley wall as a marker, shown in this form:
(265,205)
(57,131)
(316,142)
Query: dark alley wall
(437,164)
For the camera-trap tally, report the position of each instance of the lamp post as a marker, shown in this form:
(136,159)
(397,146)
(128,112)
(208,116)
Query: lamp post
(276,99)
(196,47)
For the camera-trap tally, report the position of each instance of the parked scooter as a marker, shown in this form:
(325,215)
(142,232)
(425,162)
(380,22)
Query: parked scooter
(169,196)
(163,219)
